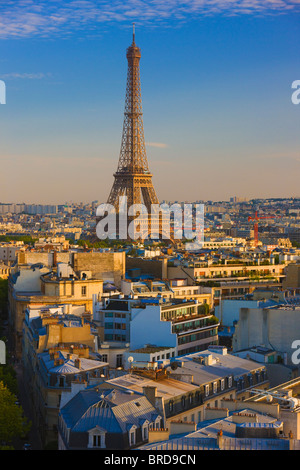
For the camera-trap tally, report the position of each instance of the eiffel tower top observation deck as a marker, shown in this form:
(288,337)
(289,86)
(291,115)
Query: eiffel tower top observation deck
(133,178)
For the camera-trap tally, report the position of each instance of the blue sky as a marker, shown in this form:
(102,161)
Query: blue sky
(216,88)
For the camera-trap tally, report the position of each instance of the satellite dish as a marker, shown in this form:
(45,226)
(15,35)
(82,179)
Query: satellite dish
(130,359)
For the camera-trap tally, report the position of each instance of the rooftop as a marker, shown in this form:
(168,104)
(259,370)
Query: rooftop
(67,364)
(216,365)
(167,388)
(206,436)
(111,409)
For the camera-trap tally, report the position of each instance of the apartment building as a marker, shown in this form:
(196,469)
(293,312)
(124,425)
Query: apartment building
(201,272)
(36,285)
(187,326)
(59,350)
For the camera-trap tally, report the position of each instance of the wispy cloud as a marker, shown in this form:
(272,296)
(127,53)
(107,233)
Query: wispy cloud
(27,18)
(28,76)
(160,145)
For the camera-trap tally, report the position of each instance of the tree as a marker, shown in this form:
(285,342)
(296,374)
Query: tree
(9,379)
(12,422)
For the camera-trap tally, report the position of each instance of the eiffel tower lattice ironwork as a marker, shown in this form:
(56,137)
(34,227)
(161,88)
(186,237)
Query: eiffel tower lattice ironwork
(133,178)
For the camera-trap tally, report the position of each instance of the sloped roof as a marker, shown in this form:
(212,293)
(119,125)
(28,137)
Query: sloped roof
(68,366)
(112,410)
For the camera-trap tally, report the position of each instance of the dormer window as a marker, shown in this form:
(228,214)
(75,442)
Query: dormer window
(97,438)
(145,430)
(132,437)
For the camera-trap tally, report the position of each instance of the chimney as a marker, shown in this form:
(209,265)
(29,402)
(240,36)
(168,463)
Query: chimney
(220,439)
(77,363)
(150,393)
(208,360)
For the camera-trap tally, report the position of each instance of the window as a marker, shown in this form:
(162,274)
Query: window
(132,437)
(62,381)
(206,390)
(119,360)
(215,387)
(83,291)
(171,405)
(193,418)
(222,384)
(229,381)
(98,440)
(145,431)
(157,424)
(104,357)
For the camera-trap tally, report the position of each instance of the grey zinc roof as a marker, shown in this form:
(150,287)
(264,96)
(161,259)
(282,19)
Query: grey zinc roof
(223,366)
(133,412)
(68,367)
(112,410)
(98,414)
(228,426)
(167,388)
(77,406)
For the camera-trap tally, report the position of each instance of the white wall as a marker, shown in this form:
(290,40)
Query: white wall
(147,328)
(274,328)
(229,310)
(29,280)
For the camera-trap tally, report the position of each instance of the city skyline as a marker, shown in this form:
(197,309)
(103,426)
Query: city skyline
(216,91)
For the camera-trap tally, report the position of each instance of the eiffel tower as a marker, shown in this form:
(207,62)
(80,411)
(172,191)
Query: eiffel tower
(133,178)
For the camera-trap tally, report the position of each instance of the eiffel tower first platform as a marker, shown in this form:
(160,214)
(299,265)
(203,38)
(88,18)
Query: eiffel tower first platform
(133,178)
